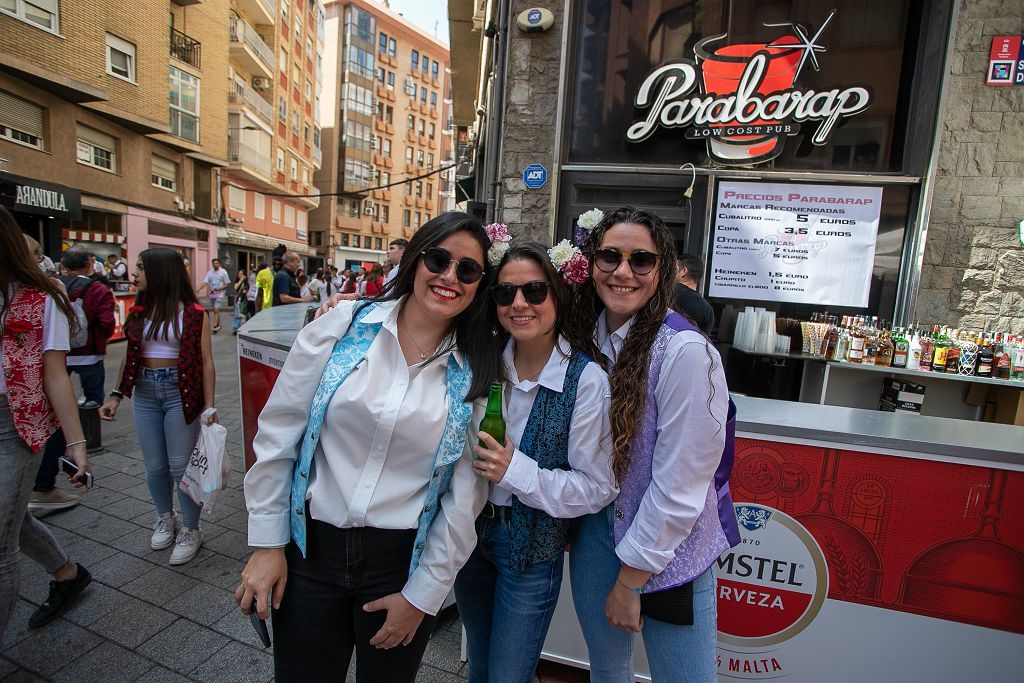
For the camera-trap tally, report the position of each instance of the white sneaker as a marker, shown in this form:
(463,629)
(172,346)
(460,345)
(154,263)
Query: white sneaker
(188,544)
(163,531)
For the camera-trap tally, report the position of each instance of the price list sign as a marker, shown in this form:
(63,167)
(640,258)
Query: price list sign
(806,244)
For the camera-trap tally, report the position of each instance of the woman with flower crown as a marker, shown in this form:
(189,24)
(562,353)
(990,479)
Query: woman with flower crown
(553,466)
(643,563)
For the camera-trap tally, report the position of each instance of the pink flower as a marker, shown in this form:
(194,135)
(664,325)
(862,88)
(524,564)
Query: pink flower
(576,270)
(498,232)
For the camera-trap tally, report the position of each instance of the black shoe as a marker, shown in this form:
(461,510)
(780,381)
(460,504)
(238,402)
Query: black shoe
(62,594)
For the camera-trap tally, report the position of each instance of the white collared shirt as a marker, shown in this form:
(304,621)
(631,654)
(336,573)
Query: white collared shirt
(590,484)
(693,404)
(376,451)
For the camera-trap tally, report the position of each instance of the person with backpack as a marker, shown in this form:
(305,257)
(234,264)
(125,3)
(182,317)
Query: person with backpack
(93,305)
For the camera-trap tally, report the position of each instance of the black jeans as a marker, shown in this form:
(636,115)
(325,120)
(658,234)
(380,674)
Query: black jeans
(92,386)
(321,618)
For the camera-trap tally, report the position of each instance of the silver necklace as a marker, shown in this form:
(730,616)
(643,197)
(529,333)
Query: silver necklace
(423,354)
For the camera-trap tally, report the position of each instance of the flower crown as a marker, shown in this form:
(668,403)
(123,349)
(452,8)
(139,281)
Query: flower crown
(585,224)
(500,240)
(570,262)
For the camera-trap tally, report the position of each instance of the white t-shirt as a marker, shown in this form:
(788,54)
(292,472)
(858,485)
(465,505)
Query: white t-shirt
(217,282)
(56,332)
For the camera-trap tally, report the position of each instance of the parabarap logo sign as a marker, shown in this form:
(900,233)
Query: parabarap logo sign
(748,101)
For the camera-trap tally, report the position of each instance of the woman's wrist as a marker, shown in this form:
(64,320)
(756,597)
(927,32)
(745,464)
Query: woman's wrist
(635,591)
(73,443)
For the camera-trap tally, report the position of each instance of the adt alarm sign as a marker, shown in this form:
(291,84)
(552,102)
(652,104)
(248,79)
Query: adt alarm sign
(535,176)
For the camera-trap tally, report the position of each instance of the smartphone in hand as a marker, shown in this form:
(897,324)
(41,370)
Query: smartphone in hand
(259,625)
(71,469)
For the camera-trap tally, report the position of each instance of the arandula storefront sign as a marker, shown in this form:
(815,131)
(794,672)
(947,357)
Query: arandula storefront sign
(748,101)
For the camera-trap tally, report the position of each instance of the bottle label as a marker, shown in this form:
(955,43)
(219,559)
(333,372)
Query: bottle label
(984,367)
(899,358)
(940,356)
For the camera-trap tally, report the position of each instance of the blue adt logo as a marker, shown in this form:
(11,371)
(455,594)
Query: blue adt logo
(535,176)
(752,517)
(533,17)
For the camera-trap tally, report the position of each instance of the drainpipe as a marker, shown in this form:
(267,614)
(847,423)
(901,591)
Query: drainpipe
(496,105)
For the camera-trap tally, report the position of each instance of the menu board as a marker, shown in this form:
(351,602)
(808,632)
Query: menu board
(806,244)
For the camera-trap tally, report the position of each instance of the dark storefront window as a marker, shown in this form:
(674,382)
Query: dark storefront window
(202,191)
(868,43)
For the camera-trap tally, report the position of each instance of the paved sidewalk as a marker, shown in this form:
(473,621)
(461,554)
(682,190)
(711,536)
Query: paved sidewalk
(142,619)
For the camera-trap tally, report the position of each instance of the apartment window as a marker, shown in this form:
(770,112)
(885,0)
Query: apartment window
(423,94)
(380,74)
(300,224)
(433,131)
(415,60)
(275,211)
(305,176)
(357,173)
(419,157)
(408,155)
(296,75)
(385,178)
(309,90)
(280,160)
(284,9)
(426,218)
(120,58)
(385,214)
(164,173)
(96,148)
(298,28)
(434,68)
(294,175)
(316,137)
(305,132)
(356,242)
(391,47)
(383,42)
(426,65)
(391,80)
(433,98)
(358,99)
(21,120)
(430,190)
(378,243)
(282,108)
(419,218)
(236,198)
(289,216)
(430,159)
(386,147)
(259,209)
(412,122)
(184,104)
(408,187)
(406,218)
(389,114)
(309,46)
(282,61)
(295,121)
(423,126)
(42,13)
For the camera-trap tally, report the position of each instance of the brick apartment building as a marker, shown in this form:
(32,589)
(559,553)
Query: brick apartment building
(385,112)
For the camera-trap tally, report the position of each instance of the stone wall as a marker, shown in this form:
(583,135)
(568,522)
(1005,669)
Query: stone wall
(973,272)
(531,100)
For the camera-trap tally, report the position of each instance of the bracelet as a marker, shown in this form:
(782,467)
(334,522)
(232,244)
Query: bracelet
(117,394)
(73,443)
(635,591)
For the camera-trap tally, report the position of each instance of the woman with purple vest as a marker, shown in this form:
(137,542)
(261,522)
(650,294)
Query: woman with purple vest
(554,465)
(643,563)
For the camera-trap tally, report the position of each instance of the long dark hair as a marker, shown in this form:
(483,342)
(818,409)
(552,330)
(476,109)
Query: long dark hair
(629,377)
(167,289)
(562,293)
(18,265)
(470,329)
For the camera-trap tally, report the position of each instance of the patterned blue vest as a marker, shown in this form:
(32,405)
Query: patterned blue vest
(348,352)
(535,535)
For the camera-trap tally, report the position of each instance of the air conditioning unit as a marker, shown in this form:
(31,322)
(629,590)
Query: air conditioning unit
(261,83)
(410,86)
(368,207)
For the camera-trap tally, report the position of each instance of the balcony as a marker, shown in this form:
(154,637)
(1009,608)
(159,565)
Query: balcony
(318,157)
(185,48)
(260,11)
(249,98)
(411,135)
(248,48)
(249,160)
(313,196)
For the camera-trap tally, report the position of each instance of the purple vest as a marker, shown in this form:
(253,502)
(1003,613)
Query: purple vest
(715,530)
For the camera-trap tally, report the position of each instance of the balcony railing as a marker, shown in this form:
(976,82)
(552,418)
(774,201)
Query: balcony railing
(184,125)
(243,94)
(241,153)
(242,32)
(185,48)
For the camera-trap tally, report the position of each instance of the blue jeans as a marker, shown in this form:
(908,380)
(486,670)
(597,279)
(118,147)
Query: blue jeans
(236,322)
(165,439)
(91,377)
(675,653)
(506,615)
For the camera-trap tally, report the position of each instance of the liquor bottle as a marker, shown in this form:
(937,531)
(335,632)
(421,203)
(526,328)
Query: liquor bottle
(886,350)
(953,355)
(1001,361)
(941,349)
(831,340)
(870,343)
(900,350)
(843,344)
(1017,367)
(493,423)
(927,349)
(857,338)
(914,353)
(985,358)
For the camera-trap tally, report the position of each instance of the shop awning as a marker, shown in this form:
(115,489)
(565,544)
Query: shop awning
(239,237)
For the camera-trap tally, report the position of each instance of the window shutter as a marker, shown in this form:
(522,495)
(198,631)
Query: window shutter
(21,115)
(165,168)
(48,5)
(96,138)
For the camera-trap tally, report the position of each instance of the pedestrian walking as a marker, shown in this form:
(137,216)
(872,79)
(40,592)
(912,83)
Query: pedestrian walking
(319,286)
(286,286)
(86,291)
(264,287)
(394,257)
(216,284)
(36,319)
(169,368)
(240,288)
(251,294)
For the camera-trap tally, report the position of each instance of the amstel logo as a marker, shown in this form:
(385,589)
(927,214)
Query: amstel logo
(772,585)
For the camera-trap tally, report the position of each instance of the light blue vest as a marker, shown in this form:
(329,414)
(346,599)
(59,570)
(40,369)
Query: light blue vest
(348,352)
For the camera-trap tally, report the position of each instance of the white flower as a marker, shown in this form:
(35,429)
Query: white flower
(561,253)
(497,252)
(590,219)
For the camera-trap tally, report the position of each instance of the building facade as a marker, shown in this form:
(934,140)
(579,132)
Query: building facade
(387,134)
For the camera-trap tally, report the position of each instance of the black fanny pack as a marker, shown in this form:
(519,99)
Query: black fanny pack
(672,605)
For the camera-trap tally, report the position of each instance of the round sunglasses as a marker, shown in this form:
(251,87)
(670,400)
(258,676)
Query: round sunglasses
(534,292)
(640,262)
(437,260)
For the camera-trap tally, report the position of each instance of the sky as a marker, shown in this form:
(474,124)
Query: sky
(425,14)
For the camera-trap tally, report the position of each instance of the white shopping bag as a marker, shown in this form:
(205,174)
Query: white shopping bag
(209,468)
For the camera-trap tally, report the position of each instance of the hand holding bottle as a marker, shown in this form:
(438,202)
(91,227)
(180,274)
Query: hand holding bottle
(493,459)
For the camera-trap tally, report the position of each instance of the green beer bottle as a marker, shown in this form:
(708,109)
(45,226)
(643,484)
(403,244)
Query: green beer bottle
(493,423)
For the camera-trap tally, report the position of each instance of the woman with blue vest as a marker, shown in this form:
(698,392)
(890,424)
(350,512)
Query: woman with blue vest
(643,563)
(554,465)
(363,499)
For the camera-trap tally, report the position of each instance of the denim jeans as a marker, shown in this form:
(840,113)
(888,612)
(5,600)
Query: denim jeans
(506,615)
(91,377)
(321,619)
(165,439)
(674,653)
(18,465)
(239,309)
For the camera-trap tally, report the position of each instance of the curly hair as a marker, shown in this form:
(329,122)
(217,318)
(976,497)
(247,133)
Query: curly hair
(629,377)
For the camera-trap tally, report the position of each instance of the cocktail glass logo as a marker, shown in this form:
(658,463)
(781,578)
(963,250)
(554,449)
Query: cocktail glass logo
(749,101)
(772,585)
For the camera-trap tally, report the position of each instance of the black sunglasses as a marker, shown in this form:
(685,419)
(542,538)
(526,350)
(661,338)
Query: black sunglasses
(437,260)
(640,262)
(534,292)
